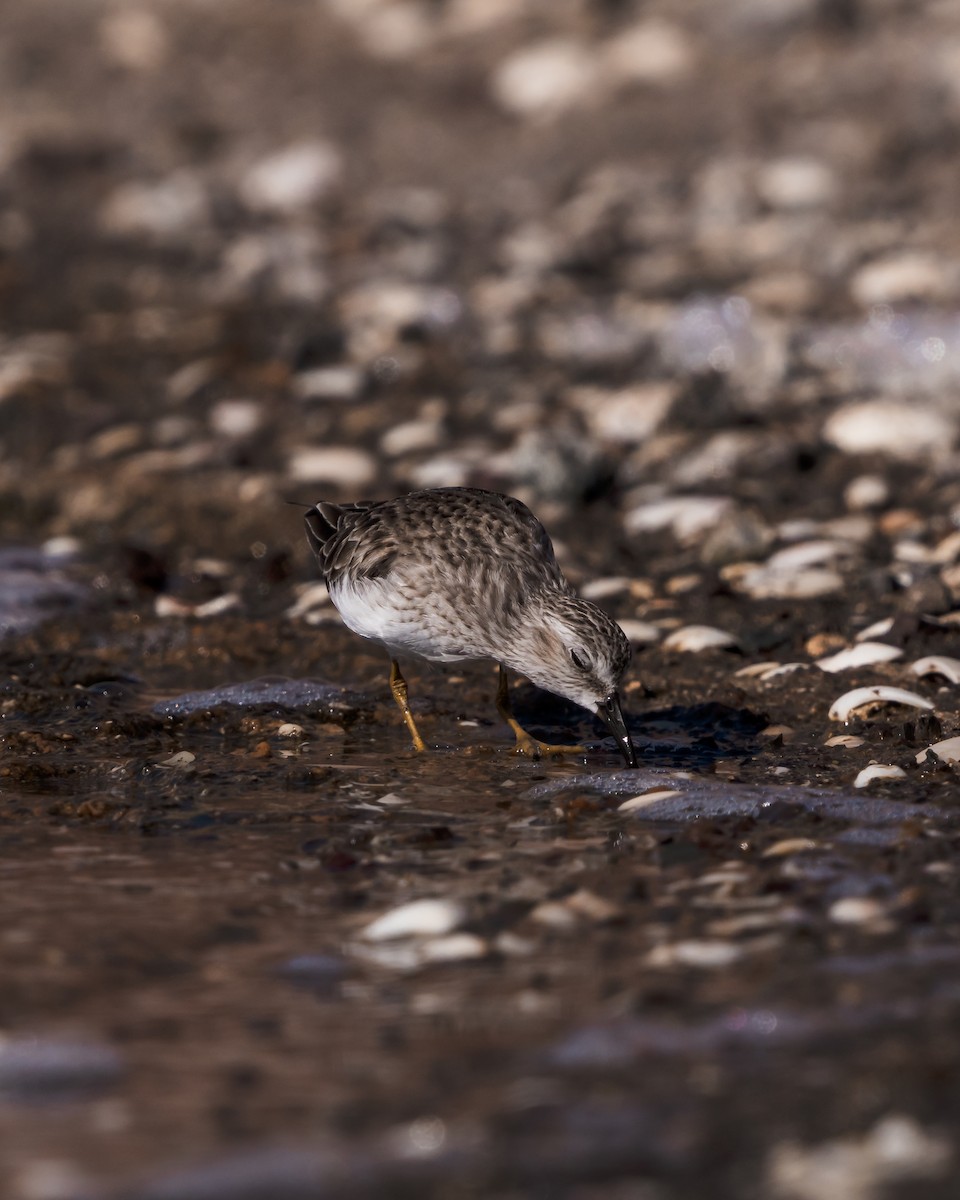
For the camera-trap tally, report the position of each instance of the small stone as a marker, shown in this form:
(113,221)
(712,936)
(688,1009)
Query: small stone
(902,277)
(856,910)
(694,638)
(288,729)
(293,179)
(640,633)
(236,419)
(168,211)
(866,491)
(793,183)
(343,466)
(708,955)
(628,416)
(135,38)
(341,382)
(898,430)
(653,52)
(546,79)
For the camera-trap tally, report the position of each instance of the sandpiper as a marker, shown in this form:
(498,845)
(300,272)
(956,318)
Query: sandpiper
(457,573)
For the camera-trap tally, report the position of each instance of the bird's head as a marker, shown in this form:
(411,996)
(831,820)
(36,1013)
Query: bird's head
(571,648)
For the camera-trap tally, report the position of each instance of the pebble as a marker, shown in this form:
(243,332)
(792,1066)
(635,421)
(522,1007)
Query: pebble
(846,705)
(135,38)
(856,910)
(169,210)
(688,517)
(903,277)
(709,955)
(346,467)
(293,179)
(640,633)
(341,382)
(898,430)
(418,918)
(627,416)
(947,751)
(652,52)
(876,771)
(866,491)
(784,583)
(236,419)
(794,183)
(545,79)
(288,729)
(694,638)
(861,655)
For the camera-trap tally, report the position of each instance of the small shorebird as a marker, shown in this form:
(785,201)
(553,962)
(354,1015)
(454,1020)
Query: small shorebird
(457,573)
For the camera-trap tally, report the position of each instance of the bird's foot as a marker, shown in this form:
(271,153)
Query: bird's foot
(534,748)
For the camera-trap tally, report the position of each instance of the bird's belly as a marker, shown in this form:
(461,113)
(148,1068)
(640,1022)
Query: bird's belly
(376,612)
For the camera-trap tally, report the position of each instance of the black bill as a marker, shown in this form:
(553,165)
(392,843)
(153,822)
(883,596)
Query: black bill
(609,712)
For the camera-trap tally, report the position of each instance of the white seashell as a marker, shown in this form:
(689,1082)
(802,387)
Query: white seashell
(760,668)
(789,846)
(602,589)
(219,604)
(292,179)
(849,741)
(546,78)
(640,633)
(947,751)
(895,428)
(457,947)
(764,583)
(313,596)
(688,516)
(419,918)
(645,799)
(177,762)
(847,704)
(877,629)
(695,953)
(346,466)
(878,771)
(861,655)
(778,669)
(807,554)
(288,729)
(856,910)
(694,638)
(938,664)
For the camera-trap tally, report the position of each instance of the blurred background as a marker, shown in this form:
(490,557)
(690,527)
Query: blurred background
(587,252)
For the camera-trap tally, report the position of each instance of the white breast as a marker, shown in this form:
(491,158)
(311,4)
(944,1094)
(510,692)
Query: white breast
(376,611)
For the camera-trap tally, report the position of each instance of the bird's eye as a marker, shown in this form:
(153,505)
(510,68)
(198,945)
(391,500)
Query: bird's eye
(578,660)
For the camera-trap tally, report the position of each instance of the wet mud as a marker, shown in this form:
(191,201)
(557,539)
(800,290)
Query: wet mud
(687,282)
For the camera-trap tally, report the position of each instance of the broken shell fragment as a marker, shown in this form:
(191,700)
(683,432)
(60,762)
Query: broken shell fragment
(947,751)
(843,708)
(699,637)
(878,771)
(938,664)
(861,655)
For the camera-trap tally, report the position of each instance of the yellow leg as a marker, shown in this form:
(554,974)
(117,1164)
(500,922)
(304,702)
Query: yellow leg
(526,744)
(398,685)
